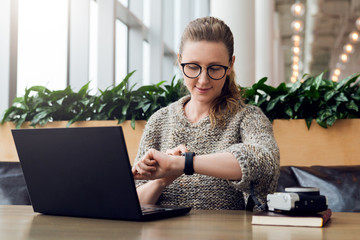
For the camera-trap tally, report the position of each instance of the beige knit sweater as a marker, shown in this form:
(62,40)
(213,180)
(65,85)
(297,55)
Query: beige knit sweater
(247,134)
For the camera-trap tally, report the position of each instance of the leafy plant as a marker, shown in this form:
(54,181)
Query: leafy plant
(40,105)
(315,98)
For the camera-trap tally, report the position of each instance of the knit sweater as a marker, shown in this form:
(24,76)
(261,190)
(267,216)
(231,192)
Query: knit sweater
(247,134)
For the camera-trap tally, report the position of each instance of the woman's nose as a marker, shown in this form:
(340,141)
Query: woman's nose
(203,77)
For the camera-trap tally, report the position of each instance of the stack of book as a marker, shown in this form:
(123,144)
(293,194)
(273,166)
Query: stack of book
(286,219)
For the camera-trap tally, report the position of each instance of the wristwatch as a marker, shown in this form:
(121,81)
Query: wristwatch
(189,163)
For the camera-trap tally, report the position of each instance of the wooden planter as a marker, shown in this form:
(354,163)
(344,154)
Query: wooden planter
(132,137)
(336,145)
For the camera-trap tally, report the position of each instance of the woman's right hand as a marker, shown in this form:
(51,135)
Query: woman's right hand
(155,165)
(177,151)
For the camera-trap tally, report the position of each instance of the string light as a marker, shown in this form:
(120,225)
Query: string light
(296,50)
(297,9)
(295,59)
(344,58)
(337,71)
(297,26)
(354,37)
(296,38)
(295,67)
(348,48)
(357,23)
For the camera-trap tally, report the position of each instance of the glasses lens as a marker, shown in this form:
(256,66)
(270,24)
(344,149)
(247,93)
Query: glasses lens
(192,70)
(216,72)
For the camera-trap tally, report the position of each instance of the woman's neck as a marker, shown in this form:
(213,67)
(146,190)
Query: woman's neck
(195,111)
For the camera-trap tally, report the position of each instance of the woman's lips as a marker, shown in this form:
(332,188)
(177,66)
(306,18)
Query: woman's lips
(203,90)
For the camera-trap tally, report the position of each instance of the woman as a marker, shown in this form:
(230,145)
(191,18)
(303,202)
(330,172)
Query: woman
(229,147)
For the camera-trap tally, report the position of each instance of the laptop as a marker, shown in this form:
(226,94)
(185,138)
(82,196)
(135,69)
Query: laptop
(83,172)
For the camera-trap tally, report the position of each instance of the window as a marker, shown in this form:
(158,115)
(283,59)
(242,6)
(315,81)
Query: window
(121,59)
(93,47)
(42,44)
(146,63)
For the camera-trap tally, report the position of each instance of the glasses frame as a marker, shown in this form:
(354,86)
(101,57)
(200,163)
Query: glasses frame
(207,70)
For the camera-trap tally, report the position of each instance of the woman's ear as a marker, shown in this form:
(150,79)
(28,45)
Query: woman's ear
(232,62)
(231,65)
(178,60)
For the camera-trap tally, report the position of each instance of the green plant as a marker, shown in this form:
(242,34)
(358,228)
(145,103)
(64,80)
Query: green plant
(40,105)
(315,98)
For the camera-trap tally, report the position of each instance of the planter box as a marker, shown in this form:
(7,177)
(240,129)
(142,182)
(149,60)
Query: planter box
(337,145)
(132,137)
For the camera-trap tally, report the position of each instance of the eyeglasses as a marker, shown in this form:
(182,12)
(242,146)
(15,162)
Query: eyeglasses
(193,70)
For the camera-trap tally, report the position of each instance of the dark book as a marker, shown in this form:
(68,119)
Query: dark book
(283,219)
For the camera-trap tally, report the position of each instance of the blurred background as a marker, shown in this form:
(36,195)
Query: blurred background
(56,43)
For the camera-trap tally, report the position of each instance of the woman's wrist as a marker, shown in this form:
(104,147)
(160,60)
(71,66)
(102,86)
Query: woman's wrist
(178,165)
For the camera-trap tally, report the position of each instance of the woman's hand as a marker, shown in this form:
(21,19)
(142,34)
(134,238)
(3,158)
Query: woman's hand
(157,165)
(178,150)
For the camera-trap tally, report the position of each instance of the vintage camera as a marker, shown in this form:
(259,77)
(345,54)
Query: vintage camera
(298,200)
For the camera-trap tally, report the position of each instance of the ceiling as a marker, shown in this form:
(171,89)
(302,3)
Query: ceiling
(327,24)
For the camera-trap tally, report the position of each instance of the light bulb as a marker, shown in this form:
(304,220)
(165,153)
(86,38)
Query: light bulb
(295,73)
(293,79)
(344,58)
(295,67)
(295,59)
(296,38)
(297,26)
(348,48)
(334,78)
(357,23)
(296,50)
(297,9)
(337,71)
(354,37)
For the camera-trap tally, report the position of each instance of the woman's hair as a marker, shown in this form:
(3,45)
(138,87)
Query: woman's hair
(215,30)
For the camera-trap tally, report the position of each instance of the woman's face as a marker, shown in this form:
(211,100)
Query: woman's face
(203,88)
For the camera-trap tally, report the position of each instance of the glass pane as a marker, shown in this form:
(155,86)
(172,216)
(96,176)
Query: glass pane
(146,63)
(146,13)
(42,44)
(93,47)
(124,2)
(121,57)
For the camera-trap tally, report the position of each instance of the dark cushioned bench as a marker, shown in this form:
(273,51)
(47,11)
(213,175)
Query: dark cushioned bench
(341,184)
(13,189)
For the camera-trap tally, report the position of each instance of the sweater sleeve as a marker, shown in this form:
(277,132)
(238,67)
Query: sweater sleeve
(257,154)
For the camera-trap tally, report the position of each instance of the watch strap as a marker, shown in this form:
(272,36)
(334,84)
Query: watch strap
(189,163)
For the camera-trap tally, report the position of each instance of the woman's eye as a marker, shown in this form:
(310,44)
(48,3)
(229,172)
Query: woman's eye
(193,67)
(215,68)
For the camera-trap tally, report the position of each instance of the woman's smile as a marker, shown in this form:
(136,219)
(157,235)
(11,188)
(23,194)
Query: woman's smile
(203,90)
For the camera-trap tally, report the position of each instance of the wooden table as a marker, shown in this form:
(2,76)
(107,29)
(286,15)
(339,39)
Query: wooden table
(20,222)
